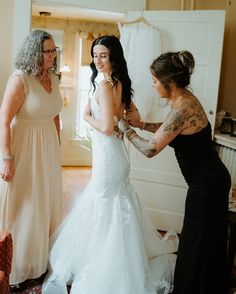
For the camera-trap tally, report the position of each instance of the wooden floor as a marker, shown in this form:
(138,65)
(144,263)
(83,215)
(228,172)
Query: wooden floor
(74,180)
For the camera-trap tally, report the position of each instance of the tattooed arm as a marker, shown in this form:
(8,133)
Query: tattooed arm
(146,147)
(133,117)
(150,126)
(167,131)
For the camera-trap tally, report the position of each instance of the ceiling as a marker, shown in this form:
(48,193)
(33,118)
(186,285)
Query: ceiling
(71,12)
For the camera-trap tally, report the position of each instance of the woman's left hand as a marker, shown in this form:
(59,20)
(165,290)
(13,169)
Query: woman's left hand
(133,116)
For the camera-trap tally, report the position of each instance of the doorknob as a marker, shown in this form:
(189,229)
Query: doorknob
(211,112)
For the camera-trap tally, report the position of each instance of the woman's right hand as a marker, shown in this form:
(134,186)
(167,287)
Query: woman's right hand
(7,170)
(133,116)
(133,122)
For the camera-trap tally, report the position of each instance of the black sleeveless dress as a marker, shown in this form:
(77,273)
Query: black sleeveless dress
(201,260)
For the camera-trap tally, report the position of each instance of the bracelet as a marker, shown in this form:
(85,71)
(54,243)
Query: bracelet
(129,133)
(7,157)
(142,126)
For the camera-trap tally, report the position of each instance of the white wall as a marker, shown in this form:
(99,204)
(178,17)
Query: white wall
(6,29)
(22,23)
(15,22)
(107,5)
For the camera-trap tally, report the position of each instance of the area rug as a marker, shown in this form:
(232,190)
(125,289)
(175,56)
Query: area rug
(34,290)
(33,286)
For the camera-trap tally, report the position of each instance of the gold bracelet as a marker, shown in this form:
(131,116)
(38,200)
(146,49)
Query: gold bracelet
(129,133)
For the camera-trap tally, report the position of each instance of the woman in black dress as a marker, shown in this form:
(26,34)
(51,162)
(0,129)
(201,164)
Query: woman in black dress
(201,260)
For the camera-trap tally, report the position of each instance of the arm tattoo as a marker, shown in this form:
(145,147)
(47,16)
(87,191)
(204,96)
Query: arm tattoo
(151,127)
(175,120)
(146,147)
(188,113)
(197,114)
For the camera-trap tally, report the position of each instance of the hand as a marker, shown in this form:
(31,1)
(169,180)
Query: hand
(135,123)
(7,170)
(123,125)
(133,117)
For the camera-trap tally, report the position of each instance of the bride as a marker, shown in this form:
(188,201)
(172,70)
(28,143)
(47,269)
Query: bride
(106,244)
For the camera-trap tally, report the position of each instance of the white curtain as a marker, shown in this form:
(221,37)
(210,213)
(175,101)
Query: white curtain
(141,45)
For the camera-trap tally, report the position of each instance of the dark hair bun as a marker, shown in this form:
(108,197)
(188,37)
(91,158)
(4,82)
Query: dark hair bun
(184,60)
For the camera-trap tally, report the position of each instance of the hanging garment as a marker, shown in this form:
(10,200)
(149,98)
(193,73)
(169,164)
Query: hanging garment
(141,45)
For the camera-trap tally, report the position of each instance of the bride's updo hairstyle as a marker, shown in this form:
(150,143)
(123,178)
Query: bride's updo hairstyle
(174,67)
(118,66)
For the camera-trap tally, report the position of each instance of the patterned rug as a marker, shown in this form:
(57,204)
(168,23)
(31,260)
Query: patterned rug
(33,290)
(31,286)
(28,287)
(28,290)
(35,286)
(37,290)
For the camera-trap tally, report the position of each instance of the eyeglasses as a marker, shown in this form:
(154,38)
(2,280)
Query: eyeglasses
(48,51)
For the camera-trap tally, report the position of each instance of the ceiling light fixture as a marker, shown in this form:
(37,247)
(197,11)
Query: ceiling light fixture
(45,14)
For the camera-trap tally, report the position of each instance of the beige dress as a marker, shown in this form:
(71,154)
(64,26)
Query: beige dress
(30,205)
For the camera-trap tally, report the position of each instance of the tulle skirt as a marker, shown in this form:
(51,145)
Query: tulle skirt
(107,245)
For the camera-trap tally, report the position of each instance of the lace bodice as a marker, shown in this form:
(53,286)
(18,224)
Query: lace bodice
(110,159)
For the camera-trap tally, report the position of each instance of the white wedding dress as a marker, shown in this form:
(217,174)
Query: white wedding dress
(106,244)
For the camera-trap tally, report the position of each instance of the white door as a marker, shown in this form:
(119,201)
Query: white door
(159,181)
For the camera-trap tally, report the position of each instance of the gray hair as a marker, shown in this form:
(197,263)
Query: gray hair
(30,57)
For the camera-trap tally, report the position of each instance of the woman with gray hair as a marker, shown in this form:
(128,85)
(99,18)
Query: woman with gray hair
(30,175)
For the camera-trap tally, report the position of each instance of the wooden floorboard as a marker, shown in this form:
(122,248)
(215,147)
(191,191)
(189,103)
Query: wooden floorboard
(74,180)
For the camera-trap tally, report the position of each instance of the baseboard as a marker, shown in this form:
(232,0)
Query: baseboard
(75,162)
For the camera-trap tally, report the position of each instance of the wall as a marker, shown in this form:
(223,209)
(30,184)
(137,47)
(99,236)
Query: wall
(15,22)
(107,5)
(22,23)
(6,29)
(227,93)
